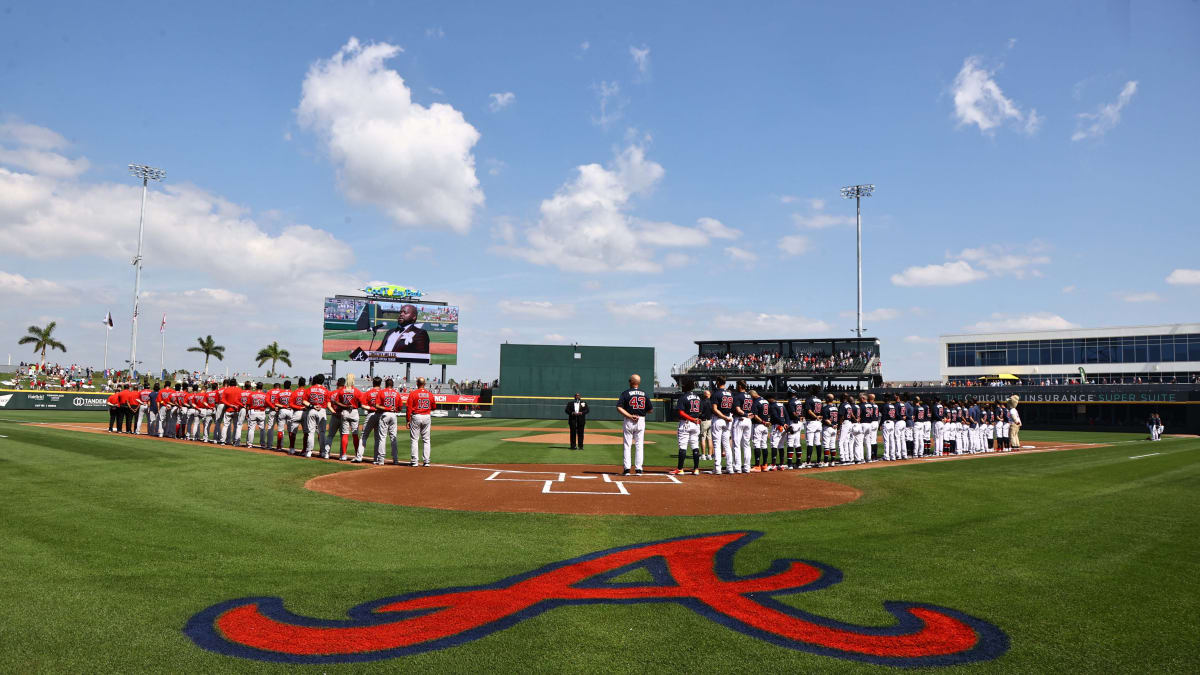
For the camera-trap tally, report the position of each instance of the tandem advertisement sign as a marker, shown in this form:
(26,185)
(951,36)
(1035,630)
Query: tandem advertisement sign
(51,400)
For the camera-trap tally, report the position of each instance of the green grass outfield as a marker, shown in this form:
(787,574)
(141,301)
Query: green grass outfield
(1088,560)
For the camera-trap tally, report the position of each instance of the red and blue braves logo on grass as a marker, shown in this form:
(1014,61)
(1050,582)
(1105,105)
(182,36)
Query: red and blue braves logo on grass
(694,571)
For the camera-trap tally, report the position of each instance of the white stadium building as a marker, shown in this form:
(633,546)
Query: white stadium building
(1124,355)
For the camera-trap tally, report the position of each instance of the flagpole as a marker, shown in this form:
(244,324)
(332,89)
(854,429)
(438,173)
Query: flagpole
(162,354)
(107,330)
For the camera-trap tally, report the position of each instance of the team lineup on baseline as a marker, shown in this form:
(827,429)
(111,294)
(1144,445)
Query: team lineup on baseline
(219,415)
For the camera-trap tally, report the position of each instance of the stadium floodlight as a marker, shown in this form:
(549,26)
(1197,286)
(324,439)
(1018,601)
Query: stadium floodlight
(147,174)
(857,192)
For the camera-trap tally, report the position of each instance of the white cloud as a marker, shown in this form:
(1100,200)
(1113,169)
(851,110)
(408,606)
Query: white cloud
(676,260)
(741,254)
(946,274)
(418,252)
(917,339)
(553,337)
(641,59)
(1184,277)
(30,147)
(979,100)
(584,46)
(716,229)
(500,101)
(757,324)
(1149,296)
(538,309)
(435,32)
(611,104)
(31,135)
(788,199)
(637,311)
(411,161)
(999,260)
(495,166)
(795,244)
(21,289)
(881,314)
(1005,322)
(437,91)
(586,226)
(818,219)
(1069,289)
(1106,117)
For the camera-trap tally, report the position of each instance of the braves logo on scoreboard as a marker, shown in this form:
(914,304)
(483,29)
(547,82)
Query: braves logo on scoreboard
(695,572)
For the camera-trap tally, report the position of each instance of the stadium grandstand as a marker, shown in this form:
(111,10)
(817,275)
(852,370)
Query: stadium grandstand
(783,364)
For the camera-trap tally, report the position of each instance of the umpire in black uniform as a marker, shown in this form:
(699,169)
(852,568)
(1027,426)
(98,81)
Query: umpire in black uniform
(577,411)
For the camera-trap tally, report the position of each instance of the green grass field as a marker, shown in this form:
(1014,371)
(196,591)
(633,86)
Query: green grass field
(1087,559)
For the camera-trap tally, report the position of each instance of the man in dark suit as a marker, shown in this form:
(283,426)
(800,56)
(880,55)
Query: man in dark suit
(408,335)
(577,411)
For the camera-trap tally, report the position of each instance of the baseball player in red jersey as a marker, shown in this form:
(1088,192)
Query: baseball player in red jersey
(208,406)
(232,400)
(417,413)
(114,412)
(314,426)
(369,400)
(191,428)
(296,421)
(218,413)
(269,417)
(283,413)
(243,413)
(164,410)
(346,400)
(387,402)
(256,417)
(144,412)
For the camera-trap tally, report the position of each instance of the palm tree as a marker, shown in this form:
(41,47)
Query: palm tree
(209,348)
(273,353)
(42,339)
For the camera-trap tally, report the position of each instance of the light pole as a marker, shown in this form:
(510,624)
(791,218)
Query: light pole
(147,174)
(857,192)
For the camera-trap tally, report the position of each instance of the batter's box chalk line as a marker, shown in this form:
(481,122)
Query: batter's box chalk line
(549,479)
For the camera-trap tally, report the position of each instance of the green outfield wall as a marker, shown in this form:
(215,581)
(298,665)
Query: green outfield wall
(27,399)
(537,381)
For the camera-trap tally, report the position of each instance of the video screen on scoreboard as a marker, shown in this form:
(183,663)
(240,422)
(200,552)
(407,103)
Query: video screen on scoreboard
(362,329)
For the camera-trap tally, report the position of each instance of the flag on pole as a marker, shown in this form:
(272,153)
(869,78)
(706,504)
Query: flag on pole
(135,310)
(108,320)
(162,327)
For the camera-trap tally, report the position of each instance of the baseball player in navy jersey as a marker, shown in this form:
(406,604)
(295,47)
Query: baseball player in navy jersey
(873,430)
(722,426)
(777,418)
(795,415)
(845,438)
(706,417)
(760,418)
(813,427)
(937,415)
(862,422)
(903,415)
(926,427)
(634,405)
(917,428)
(829,430)
(971,423)
(888,412)
(689,409)
(742,429)
(1002,422)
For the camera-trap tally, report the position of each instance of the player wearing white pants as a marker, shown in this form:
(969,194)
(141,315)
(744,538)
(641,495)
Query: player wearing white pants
(688,433)
(741,433)
(419,408)
(899,436)
(256,420)
(721,435)
(938,412)
(846,442)
(633,405)
(889,433)
(386,434)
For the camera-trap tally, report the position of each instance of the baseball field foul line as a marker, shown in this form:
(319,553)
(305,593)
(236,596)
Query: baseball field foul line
(1149,455)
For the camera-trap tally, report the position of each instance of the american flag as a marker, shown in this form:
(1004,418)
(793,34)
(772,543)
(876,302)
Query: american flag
(162,327)
(108,320)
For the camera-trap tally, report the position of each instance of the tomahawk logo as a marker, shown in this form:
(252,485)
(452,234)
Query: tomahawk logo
(696,572)
(5,399)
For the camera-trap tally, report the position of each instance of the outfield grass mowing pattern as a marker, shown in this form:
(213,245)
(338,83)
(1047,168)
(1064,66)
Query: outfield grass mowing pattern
(1087,559)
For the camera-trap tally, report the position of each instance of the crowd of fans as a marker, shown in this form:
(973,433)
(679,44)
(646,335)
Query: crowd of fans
(815,362)
(1070,381)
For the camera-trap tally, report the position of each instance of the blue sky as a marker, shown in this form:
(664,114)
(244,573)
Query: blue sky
(626,173)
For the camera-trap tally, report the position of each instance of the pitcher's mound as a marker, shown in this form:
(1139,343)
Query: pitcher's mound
(579,489)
